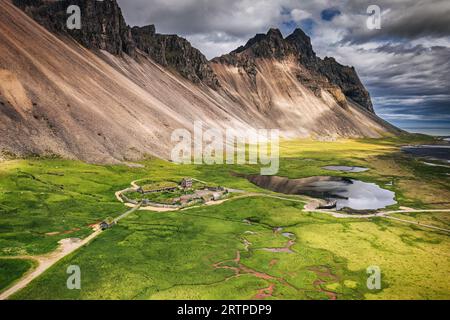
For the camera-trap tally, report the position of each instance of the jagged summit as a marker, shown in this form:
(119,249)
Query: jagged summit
(273,44)
(104,28)
(302,44)
(175,52)
(273,37)
(270,44)
(103,25)
(316,73)
(274,33)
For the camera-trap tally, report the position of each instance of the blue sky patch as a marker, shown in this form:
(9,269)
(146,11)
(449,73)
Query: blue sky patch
(329,14)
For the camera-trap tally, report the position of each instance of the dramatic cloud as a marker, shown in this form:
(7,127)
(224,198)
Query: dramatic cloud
(404,20)
(404,64)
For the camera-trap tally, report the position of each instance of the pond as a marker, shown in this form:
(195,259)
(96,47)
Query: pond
(345,168)
(348,193)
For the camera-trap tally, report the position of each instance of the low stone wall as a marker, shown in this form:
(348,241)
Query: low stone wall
(158,190)
(169,206)
(161,205)
(127,200)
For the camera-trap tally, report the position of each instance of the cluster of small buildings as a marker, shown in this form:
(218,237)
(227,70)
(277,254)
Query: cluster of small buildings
(168,189)
(194,195)
(206,194)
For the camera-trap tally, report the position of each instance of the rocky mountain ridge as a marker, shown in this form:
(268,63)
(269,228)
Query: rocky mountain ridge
(104,28)
(175,52)
(116,93)
(341,81)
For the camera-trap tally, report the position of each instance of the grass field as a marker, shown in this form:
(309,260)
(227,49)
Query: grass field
(12,269)
(193,253)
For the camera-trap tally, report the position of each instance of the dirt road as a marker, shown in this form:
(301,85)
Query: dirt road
(66,247)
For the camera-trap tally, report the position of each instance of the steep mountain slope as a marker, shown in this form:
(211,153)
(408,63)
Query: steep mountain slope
(284,76)
(110,93)
(313,72)
(58,97)
(175,52)
(104,28)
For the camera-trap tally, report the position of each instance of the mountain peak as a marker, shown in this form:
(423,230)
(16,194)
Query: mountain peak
(326,74)
(175,52)
(149,30)
(274,32)
(271,44)
(273,35)
(302,44)
(299,33)
(104,26)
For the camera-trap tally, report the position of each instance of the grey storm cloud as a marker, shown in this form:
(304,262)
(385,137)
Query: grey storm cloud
(234,17)
(402,20)
(214,26)
(404,64)
(412,71)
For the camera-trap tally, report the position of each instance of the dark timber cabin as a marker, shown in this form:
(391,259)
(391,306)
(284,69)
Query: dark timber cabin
(186,183)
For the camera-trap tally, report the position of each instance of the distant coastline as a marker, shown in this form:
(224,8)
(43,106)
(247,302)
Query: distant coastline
(438,132)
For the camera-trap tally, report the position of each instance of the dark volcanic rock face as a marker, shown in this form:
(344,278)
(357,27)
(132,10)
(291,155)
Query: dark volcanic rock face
(103,27)
(270,45)
(102,24)
(347,79)
(175,52)
(341,81)
(300,44)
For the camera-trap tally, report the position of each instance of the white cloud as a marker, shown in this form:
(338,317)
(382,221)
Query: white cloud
(299,15)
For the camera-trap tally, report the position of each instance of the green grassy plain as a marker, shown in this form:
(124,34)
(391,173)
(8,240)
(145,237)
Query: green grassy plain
(174,255)
(13,269)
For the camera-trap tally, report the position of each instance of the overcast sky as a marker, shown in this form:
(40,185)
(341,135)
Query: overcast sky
(405,65)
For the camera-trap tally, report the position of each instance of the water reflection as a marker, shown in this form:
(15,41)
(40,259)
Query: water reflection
(345,168)
(348,193)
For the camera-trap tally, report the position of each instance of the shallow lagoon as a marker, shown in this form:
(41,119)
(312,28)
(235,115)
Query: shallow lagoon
(348,193)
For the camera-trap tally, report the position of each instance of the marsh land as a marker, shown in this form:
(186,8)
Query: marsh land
(256,244)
